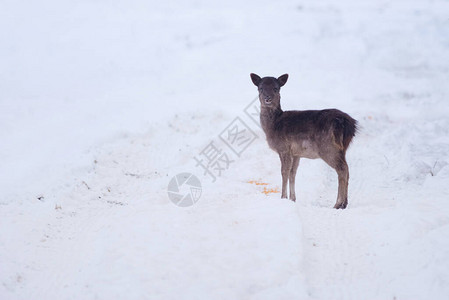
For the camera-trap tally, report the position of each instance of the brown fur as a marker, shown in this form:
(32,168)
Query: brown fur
(324,134)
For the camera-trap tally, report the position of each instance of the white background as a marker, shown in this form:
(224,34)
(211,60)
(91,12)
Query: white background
(103,102)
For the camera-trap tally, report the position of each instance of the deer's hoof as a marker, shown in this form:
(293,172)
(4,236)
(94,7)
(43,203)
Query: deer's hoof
(341,205)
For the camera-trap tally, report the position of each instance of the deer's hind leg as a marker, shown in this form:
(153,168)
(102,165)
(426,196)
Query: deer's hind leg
(343,179)
(338,162)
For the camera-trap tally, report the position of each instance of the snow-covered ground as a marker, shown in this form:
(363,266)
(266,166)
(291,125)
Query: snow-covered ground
(103,102)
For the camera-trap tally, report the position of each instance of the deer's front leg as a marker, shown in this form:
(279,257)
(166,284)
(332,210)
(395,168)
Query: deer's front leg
(286,166)
(291,178)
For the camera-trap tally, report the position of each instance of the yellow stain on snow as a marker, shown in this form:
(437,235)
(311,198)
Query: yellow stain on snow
(269,191)
(266,190)
(257,182)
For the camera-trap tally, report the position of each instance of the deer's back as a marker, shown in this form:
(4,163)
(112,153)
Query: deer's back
(304,132)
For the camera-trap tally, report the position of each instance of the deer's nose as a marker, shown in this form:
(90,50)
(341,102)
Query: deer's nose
(267,99)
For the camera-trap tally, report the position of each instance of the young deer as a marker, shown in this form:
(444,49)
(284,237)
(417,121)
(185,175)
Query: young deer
(324,134)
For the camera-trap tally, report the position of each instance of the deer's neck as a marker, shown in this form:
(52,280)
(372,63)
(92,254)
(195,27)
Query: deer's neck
(268,117)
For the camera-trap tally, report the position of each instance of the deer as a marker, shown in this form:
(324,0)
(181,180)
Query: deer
(311,134)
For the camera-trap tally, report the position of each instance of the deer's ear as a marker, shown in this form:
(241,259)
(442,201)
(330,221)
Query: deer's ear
(255,78)
(283,79)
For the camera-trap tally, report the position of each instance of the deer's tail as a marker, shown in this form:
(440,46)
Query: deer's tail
(345,129)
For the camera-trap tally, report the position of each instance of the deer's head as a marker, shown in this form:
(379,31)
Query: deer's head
(269,89)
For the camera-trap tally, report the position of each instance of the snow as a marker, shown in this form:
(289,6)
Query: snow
(102,103)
